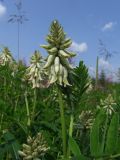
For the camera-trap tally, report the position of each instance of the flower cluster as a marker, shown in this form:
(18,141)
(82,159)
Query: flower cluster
(34,71)
(108,104)
(57,63)
(35,148)
(6,57)
(86,118)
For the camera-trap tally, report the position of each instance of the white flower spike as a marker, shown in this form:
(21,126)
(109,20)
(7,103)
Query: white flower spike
(57,63)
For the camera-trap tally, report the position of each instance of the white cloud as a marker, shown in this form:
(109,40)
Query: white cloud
(108,68)
(108,26)
(2,10)
(91,71)
(79,47)
(104,64)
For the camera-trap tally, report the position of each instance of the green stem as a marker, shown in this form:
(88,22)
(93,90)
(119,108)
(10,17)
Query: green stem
(16,103)
(5,92)
(34,102)
(28,111)
(104,134)
(1,120)
(96,80)
(70,132)
(115,156)
(61,105)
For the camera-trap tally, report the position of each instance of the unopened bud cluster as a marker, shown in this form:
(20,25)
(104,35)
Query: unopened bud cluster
(34,71)
(6,57)
(35,148)
(57,63)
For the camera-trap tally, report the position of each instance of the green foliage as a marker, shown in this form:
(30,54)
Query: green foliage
(112,135)
(75,149)
(96,134)
(95,139)
(10,146)
(80,82)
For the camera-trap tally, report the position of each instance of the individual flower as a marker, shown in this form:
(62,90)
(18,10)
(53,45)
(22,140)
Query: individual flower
(35,148)
(34,71)
(6,57)
(108,104)
(57,64)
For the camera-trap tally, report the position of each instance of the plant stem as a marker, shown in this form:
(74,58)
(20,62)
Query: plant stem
(1,120)
(104,134)
(27,109)
(61,105)
(5,92)
(34,102)
(18,41)
(115,156)
(70,133)
(96,80)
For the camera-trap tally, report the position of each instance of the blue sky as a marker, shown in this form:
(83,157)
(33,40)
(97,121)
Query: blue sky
(84,21)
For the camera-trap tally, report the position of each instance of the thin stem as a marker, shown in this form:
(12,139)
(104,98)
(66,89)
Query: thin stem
(96,80)
(16,103)
(61,105)
(71,125)
(1,120)
(104,134)
(115,156)
(18,40)
(34,102)
(28,111)
(70,132)
(5,92)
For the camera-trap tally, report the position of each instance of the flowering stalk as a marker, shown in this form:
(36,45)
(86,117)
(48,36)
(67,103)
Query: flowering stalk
(6,57)
(58,67)
(57,64)
(34,75)
(34,71)
(108,105)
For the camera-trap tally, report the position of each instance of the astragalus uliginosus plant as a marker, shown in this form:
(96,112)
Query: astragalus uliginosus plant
(109,105)
(35,148)
(6,57)
(34,75)
(57,63)
(34,71)
(58,68)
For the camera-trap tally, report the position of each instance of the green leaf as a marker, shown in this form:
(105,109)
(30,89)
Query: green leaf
(112,135)
(95,142)
(118,146)
(75,149)
(14,146)
(3,149)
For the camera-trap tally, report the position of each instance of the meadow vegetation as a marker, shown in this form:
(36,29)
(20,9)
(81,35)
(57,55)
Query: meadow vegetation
(52,110)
